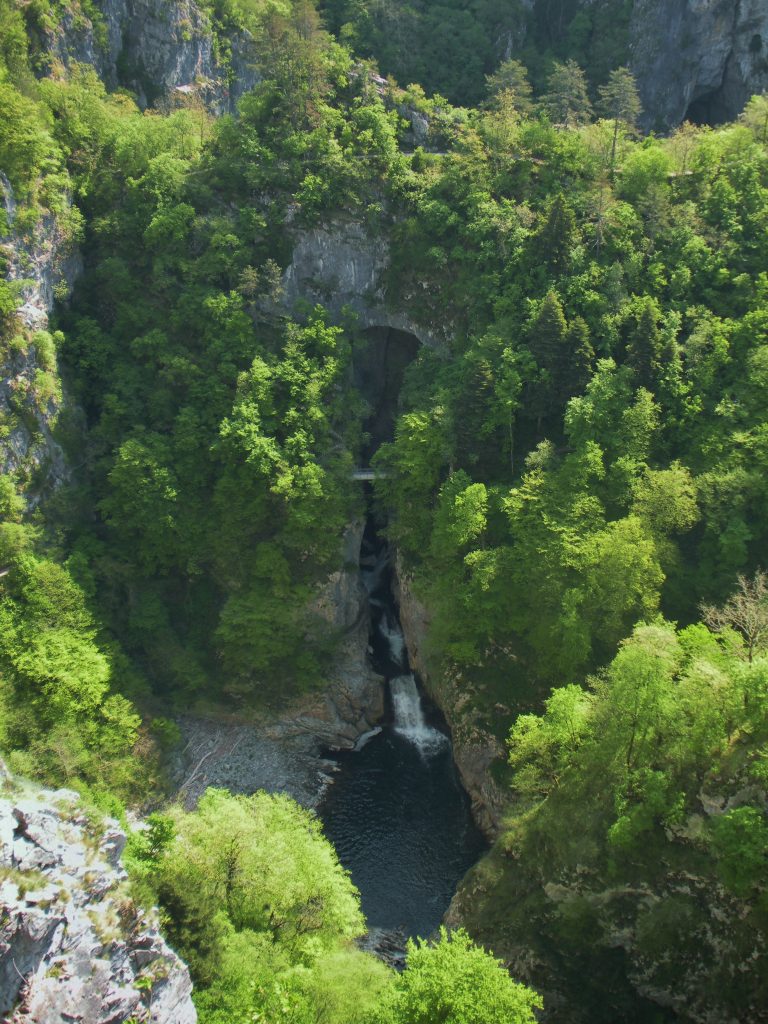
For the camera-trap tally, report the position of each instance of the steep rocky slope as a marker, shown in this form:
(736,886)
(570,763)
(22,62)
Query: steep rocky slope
(73,945)
(286,752)
(43,262)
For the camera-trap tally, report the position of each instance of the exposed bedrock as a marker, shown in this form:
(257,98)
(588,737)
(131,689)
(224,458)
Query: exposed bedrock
(343,265)
(698,60)
(43,263)
(73,945)
(154,48)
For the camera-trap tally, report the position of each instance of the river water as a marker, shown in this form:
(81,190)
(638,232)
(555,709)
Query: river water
(397,813)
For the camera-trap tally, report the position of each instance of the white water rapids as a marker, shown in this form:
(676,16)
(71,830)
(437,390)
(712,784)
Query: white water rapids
(394,636)
(409,716)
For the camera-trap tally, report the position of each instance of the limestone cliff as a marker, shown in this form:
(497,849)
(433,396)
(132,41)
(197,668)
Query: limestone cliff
(156,49)
(698,59)
(343,264)
(73,945)
(42,262)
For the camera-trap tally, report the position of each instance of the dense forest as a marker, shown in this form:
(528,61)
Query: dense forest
(575,486)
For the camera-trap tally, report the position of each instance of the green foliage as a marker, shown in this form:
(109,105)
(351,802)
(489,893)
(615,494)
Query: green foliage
(257,903)
(585,450)
(740,840)
(657,722)
(453,981)
(60,717)
(452,48)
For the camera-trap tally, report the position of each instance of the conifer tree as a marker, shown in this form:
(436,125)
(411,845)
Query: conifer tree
(510,79)
(567,100)
(644,343)
(620,103)
(556,237)
(547,343)
(581,358)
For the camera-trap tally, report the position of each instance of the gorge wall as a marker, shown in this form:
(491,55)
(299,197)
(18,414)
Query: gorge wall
(474,749)
(156,48)
(42,263)
(698,60)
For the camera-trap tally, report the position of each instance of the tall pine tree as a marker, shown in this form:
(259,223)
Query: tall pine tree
(644,342)
(547,343)
(567,100)
(620,103)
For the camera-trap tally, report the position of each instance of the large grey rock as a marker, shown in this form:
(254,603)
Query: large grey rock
(156,49)
(73,945)
(343,264)
(700,59)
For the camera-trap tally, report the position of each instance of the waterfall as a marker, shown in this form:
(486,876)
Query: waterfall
(409,718)
(372,568)
(394,636)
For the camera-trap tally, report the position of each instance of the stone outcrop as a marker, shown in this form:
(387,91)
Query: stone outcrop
(43,264)
(344,264)
(285,753)
(698,59)
(155,49)
(474,749)
(73,945)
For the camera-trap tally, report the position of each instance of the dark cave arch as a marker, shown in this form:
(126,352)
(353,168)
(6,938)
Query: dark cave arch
(379,361)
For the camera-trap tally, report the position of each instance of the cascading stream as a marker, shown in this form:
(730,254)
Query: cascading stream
(409,718)
(397,813)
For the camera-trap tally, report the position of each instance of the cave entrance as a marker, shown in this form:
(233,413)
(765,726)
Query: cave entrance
(708,109)
(379,363)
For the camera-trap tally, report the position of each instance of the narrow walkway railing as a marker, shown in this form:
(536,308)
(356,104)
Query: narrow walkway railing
(368,474)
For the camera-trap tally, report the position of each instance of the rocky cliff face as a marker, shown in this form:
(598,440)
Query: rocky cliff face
(43,263)
(73,945)
(699,60)
(474,749)
(664,942)
(344,264)
(156,48)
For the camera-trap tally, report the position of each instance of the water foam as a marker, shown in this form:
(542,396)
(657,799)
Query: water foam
(409,717)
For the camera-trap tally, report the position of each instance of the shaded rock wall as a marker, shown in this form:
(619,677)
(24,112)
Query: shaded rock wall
(698,59)
(73,945)
(378,369)
(473,748)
